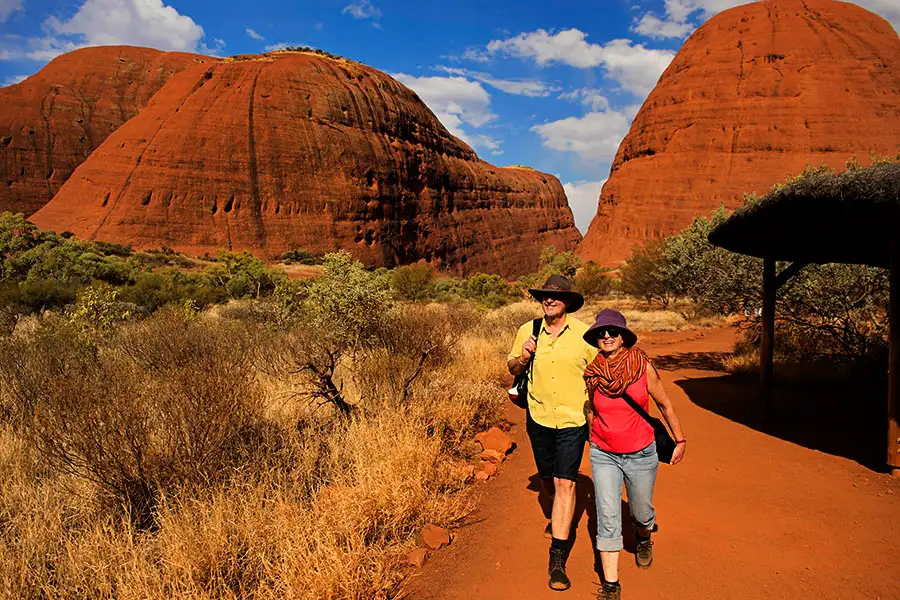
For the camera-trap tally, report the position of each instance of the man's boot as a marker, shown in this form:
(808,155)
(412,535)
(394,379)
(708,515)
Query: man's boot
(559,581)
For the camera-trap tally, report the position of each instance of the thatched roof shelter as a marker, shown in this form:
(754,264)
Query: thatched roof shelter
(851,217)
(844,218)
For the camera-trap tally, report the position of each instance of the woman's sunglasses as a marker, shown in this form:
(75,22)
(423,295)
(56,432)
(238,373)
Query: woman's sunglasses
(613,332)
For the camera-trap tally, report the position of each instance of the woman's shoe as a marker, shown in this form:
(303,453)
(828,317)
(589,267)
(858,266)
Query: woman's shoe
(643,557)
(609,591)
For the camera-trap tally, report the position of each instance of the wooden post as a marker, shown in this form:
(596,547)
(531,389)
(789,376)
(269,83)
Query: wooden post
(767,343)
(893,404)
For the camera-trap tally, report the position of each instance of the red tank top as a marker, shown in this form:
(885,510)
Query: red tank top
(617,427)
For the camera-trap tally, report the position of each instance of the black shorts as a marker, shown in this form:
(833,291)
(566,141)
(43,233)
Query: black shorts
(557,452)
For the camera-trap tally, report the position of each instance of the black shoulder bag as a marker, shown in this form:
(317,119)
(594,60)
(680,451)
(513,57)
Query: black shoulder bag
(521,382)
(665,445)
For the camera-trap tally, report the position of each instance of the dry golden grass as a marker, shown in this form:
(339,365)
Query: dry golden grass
(326,511)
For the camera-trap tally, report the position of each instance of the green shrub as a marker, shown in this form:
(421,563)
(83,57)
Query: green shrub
(243,275)
(491,291)
(303,257)
(413,282)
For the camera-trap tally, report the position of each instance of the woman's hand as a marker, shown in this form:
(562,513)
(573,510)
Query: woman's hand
(678,455)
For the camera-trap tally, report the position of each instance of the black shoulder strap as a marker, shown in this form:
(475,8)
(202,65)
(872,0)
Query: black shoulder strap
(637,408)
(535,331)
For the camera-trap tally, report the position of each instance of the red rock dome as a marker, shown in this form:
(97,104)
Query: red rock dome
(754,95)
(294,150)
(54,119)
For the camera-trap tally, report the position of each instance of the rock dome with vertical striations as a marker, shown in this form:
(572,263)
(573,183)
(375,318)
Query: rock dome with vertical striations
(296,150)
(52,121)
(754,95)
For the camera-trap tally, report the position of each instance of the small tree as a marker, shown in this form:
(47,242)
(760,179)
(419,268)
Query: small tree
(642,273)
(593,280)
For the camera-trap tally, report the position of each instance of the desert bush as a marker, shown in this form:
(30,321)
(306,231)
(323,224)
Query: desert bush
(642,276)
(162,405)
(302,257)
(152,291)
(243,275)
(592,280)
(413,282)
(97,308)
(490,291)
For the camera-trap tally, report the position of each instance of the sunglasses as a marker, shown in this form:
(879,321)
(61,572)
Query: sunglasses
(613,332)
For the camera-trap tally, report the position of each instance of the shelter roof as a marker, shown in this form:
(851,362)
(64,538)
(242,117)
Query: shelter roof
(848,217)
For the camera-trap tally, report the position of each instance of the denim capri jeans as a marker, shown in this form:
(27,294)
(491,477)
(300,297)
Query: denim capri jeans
(638,472)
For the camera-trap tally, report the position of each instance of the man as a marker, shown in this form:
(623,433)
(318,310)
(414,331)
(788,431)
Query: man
(557,397)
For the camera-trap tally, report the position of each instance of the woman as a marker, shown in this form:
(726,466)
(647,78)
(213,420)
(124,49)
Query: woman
(622,442)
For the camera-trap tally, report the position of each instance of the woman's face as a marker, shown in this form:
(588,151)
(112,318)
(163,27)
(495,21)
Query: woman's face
(610,340)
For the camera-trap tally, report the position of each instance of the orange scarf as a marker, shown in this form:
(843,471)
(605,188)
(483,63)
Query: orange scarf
(613,375)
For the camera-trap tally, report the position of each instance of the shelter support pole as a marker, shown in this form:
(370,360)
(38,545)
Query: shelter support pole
(767,343)
(893,405)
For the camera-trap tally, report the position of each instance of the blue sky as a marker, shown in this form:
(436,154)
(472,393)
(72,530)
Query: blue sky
(548,84)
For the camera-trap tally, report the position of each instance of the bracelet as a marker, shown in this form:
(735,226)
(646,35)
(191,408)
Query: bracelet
(681,441)
(522,362)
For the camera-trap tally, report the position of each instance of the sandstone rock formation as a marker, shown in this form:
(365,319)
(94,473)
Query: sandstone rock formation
(296,150)
(754,94)
(53,120)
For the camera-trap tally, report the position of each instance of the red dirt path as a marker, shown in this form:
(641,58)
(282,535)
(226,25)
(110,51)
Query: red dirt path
(747,515)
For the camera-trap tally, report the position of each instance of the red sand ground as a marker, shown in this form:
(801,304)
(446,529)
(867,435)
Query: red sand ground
(748,514)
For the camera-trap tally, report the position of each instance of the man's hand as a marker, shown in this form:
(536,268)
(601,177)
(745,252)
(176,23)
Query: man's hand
(528,349)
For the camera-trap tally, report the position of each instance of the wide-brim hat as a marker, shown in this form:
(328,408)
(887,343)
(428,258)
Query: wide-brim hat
(558,286)
(610,318)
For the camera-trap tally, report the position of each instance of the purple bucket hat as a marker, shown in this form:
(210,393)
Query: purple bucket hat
(610,318)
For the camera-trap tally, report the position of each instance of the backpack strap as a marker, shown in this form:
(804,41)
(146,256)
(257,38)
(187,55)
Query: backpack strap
(535,331)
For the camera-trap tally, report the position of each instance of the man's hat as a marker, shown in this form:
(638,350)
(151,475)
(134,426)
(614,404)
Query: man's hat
(558,286)
(610,318)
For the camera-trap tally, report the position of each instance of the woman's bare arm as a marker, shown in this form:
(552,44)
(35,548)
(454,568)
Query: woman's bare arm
(659,395)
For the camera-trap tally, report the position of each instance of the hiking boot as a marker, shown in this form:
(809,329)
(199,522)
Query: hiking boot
(559,581)
(609,591)
(643,557)
(548,531)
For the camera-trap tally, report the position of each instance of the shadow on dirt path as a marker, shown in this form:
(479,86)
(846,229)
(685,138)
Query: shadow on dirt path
(846,419)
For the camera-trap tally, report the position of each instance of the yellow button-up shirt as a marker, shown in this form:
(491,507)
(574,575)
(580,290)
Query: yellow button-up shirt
(556,390)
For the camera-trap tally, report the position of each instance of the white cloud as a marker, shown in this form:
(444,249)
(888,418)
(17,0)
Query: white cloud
(595,136)
(41,49)
(679,14)
(8,7)
(253,34)
(635,67)
(587,96)
(652,26)
(13,80)
(457,103)
(583,197)
(138,22)
(519,87)
(362,10)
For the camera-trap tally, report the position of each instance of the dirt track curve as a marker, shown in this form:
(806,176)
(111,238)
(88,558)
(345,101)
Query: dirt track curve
(755,511)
